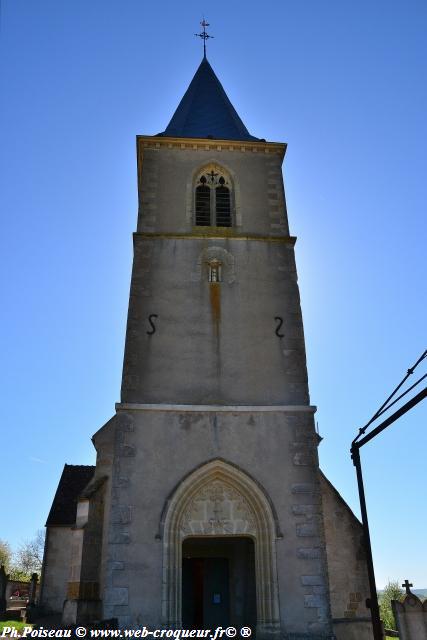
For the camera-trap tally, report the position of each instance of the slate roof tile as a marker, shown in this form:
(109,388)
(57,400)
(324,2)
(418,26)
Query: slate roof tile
(73,480)
(205,111)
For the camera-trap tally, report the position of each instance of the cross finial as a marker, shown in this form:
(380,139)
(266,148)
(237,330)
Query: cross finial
(407,586)
(204,36)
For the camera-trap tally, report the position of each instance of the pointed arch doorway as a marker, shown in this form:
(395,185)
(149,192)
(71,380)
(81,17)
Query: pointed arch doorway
(214,513)
(218,582)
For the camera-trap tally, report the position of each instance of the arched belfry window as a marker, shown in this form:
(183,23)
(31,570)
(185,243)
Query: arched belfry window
(213,199)
(203,204)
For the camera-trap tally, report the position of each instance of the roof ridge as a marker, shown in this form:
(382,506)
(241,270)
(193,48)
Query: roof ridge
(80,465)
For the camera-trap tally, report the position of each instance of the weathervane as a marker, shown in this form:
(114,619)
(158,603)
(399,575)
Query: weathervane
(204,36)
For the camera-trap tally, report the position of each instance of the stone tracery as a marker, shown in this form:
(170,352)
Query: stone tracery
(218,509)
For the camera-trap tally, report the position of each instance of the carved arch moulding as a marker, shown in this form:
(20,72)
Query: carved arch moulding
(218,499)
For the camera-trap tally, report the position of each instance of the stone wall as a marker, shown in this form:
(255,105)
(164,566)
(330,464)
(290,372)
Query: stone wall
(213,339)
(168,169)
(347,569)
(83,603)
(156,449)
(56,564)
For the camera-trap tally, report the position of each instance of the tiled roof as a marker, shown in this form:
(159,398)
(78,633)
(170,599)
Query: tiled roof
(205,111)
(73,480)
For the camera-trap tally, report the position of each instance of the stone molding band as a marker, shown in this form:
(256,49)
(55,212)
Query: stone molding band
(216,408)
(213,235)
(208,144)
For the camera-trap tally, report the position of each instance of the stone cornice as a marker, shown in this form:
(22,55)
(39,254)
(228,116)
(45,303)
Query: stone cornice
(213,235)
(217,408)
(244,146)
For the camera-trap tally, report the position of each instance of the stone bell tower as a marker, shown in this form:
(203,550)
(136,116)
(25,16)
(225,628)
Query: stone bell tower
(212,509)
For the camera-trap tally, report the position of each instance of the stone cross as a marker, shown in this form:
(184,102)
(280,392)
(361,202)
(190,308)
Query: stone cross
(407,586)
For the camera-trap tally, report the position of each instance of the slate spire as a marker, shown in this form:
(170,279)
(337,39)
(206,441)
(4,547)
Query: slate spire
(205,111)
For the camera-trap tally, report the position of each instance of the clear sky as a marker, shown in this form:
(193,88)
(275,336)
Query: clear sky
(344,84)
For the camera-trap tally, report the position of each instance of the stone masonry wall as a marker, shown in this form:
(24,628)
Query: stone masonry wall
(57,568)
(155,450)
(348,577)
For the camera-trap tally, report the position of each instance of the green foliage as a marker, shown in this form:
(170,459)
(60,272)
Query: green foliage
(29,557)
(5,555)
(392,591)
(17,574)
(27,560)
(15,624)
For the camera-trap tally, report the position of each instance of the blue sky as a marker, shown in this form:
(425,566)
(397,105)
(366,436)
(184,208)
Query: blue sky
(344,85)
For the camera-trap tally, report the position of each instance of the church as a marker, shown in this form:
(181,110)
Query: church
(206,506)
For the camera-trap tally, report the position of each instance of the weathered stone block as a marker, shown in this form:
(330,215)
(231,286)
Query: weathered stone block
(307,530)
(127,450)
(121,610)
(121,514)
(308,553)
(320,590)
(304,487)
(305,509)
(124,421)
(314,601)
(302,459)
(131,381)
(116,596)
(121,481)
(312,580)
(298,446)
(119,537)
(320,629)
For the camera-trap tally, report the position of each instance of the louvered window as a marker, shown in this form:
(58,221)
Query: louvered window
(203,206)
(223,210)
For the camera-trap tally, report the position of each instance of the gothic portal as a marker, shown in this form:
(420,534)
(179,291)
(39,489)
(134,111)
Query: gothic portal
(205,507)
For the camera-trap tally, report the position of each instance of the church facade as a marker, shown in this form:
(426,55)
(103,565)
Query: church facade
(206,507)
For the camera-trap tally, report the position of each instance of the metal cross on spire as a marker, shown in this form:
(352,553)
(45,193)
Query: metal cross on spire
(204,36)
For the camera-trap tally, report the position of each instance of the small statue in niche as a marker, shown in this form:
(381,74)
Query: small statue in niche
(214,271)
